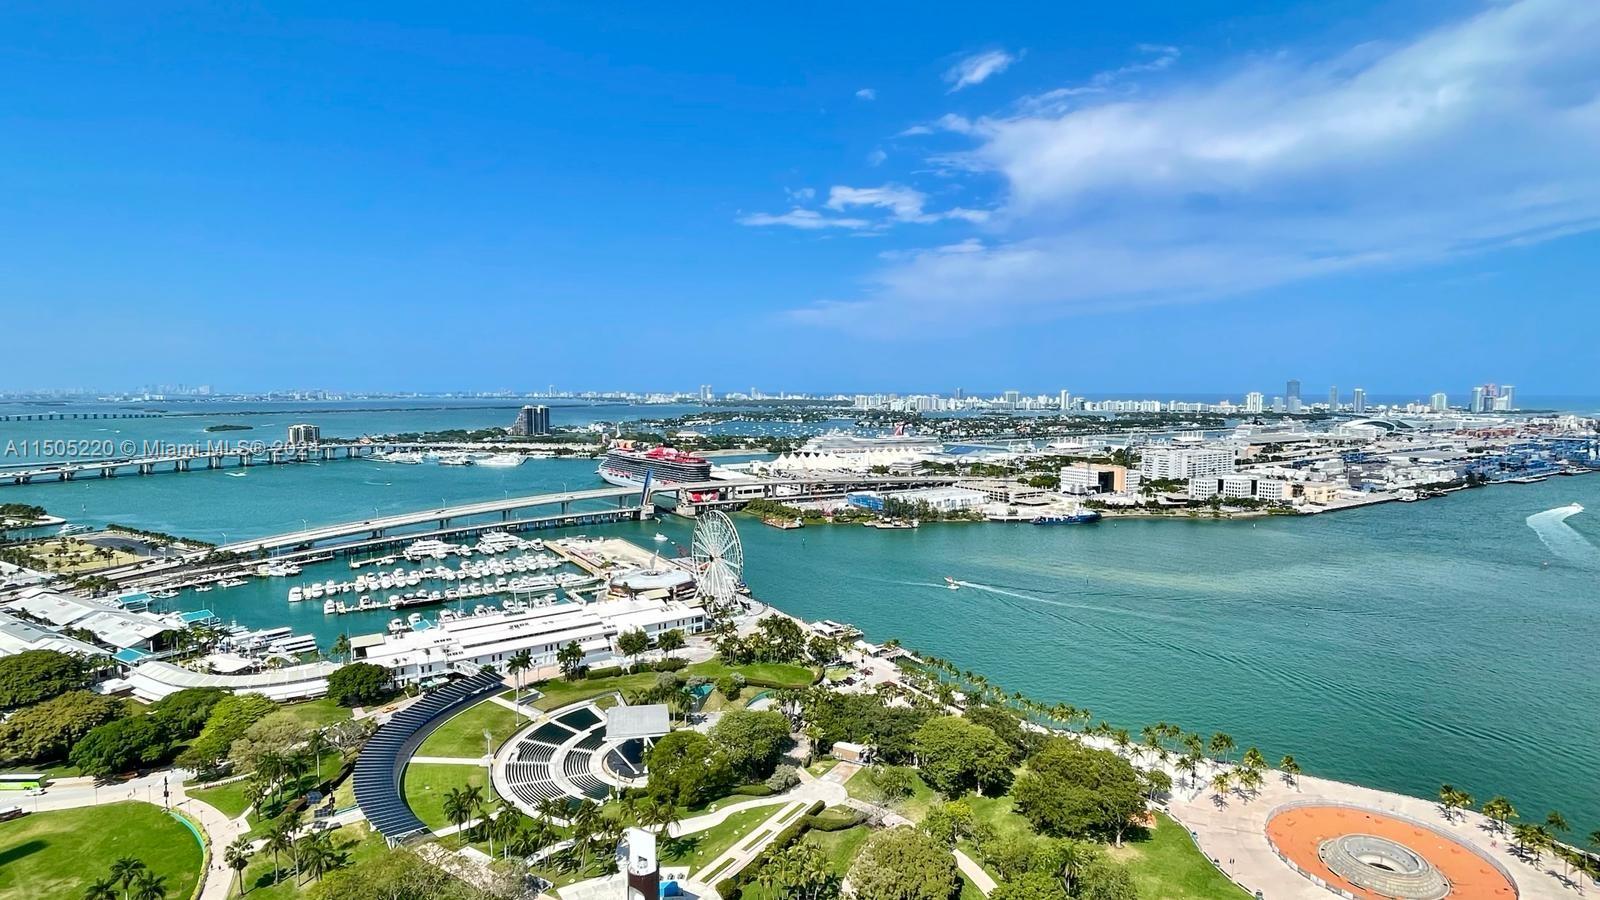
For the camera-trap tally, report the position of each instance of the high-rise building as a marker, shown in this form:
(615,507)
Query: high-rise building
(705,393)
(300,435)
(532,420)
(1479,396)
(1066,400)
(1013,397)
(1439,402)
(1358,401)
(960,394)
(1333,398)
(1293,393)
(1277,404)
(1508,394)
(1254,402)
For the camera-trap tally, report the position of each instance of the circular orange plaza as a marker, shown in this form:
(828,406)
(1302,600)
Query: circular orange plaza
(1371,855)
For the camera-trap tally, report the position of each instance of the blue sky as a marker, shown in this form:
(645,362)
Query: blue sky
(1182,197)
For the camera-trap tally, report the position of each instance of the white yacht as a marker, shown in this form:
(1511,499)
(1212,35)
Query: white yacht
(501,460)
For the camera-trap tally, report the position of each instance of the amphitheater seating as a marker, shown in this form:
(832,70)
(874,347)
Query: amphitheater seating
(530,773)
(581,719)
(382,760)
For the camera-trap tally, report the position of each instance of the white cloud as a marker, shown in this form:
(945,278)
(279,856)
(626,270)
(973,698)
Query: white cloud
(806,219)
(977,68)
(1479,134)
(866,94)
(876,157)
(903,203)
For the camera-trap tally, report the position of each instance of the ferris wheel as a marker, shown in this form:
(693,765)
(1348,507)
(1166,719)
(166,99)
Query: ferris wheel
(718,557)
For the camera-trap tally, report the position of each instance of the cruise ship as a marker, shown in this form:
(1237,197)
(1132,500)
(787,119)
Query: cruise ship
(626,465)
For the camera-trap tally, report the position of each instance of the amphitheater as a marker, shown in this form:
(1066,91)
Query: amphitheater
(577,752)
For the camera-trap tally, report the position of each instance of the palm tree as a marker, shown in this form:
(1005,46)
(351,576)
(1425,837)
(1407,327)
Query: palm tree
(1220,783)
(237,856)
(1500,810)
(1291,770)
(1254,760)
(520,662)
(124,870)
(149,886)
(1558,825)
(341,646)
(1448,800)
(658,813)
(317,743)
(1222,745)
(570,658)
(104,889)
(280,839)
(317,854)
(1251,779)
(458,809)
(670,641)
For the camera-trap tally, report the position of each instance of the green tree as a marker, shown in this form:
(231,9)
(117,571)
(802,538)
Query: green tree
(685,769)
(949,822)
(33,676)
(279,839)
(1031,886)
(341,647)
(956,756)
(1070,790)
(120,745)
(633,644)
(47,730)
(1106,880)
(101,889)
(358,684)
(671,641)
(904,864)
(751,741)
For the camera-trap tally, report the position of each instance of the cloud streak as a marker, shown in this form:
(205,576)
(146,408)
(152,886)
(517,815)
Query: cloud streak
(977,68)
(1478,134)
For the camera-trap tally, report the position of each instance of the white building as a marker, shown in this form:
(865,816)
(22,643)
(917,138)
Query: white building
(1183,463)
(1239,486)
(944,499)
(472,642)
(1439,402)
(1254,402)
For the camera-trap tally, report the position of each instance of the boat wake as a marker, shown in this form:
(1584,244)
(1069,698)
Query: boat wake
(1562,539)
(379,483)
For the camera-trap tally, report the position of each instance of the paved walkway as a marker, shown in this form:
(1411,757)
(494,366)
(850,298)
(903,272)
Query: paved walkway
(974,872)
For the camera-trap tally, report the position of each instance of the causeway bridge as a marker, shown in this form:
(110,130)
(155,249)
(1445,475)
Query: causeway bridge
(219,458)
(580,508)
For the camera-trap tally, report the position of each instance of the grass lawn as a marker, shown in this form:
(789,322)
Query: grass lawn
(822,766)
(426,784)
(1168,865)
(914,807)
(558,693)
(840,846)
(462,735)
(314,713)
(227,798)
(356,841)
(69,555)
(50,854)
(50,770)
(698,849)
(998,813)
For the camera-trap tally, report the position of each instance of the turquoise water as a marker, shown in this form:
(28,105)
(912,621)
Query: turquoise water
(1398,646)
